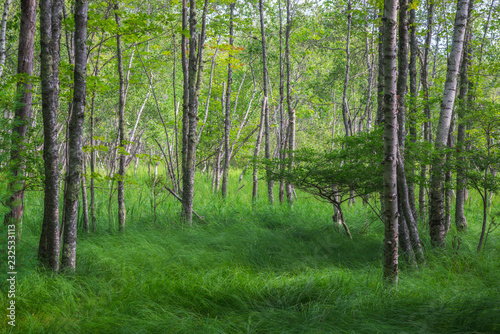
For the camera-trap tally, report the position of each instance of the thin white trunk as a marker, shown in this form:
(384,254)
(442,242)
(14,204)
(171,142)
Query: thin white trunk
(3,31)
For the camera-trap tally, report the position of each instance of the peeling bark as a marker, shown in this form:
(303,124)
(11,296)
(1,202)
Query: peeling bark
(390,144)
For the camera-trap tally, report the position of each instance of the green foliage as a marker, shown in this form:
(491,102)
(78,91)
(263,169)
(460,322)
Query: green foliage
(354,163)
(480,151)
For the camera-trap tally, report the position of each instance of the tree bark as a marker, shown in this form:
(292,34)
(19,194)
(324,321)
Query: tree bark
(121,128)
(265,78)
(463,95)
(185,88)
(437,224)
(370,64)
(390,144)
(413,101)
(291,110)
(85,212)
(410,219)
(227,119)
(404,237)
(3,32)
(75,153)
(22,115)
(380,77)
(207,104)
(345,107)
(427,110)
(448,193)
(92,144)
(281,136)
(406,249)
(255,180)
(50,35)
(190,120)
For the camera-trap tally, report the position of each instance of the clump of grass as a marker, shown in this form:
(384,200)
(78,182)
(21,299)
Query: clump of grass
(250,269)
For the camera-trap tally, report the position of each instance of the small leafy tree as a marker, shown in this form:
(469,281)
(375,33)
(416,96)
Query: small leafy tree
(354,163)
(481,156)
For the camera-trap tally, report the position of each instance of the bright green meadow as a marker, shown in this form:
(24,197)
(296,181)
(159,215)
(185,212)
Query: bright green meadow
(260,269)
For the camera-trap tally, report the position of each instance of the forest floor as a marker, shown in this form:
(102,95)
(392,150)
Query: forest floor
(261,269)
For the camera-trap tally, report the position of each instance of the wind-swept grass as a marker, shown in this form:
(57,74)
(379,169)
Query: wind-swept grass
(251,269)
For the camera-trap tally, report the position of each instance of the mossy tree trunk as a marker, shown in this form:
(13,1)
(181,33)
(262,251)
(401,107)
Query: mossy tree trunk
(50,35)
(22,114)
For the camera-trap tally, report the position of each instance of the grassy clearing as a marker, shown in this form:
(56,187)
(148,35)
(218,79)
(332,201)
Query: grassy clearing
(251,270)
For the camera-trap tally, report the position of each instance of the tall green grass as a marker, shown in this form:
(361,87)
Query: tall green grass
(250,269)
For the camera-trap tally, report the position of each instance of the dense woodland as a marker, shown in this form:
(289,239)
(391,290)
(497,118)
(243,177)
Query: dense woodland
(308,135)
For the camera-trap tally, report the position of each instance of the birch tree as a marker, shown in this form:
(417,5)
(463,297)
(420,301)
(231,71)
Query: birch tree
(291,110)
(227,119)
(390,143)
(265,78)
(121,127)
(3,33)
(464,96)
(437,221)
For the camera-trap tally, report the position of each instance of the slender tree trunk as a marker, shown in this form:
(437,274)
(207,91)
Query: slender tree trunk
(92,144)
(227,119)
(425,71)
(345,107)
(280,142)
(216,168)
(404,236)
(121,128)
(75,154)
(3,32)
(411,222)
(255,180)
(413,101)
(92,165)
(85,212)
(185,87)
(50,35)
(380,78)
(265,78)
(464,93)
(190,134)
(207,104)
(437,226)
(390,143)
(176,112)
(291,110)
(370,64)
(484,196)
(427,109)
(406,249)
(448,193)
(71,59)
(22,115)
